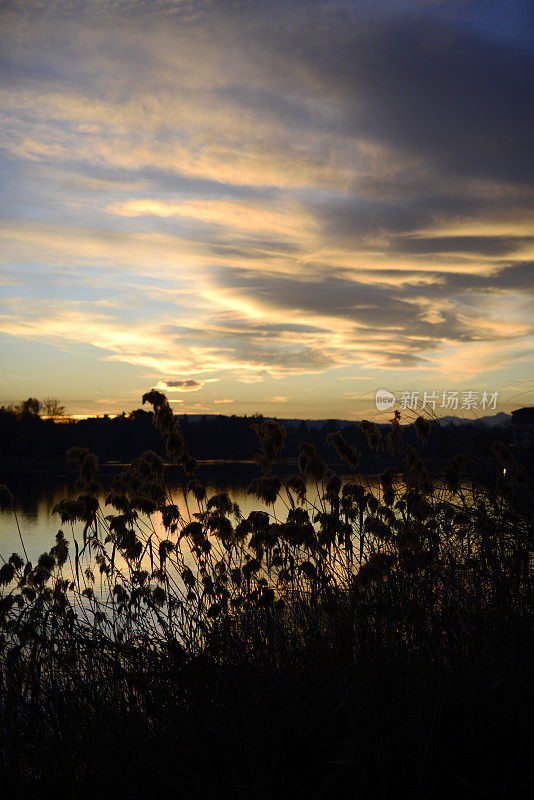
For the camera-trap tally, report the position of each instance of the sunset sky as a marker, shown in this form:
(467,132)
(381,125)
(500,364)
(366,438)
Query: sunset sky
(273,206)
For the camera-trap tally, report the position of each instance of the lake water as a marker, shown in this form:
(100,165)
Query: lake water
(36,494)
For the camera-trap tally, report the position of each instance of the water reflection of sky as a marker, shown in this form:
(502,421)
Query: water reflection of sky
(37,494)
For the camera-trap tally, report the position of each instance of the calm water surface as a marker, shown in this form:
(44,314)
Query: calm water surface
(37,494)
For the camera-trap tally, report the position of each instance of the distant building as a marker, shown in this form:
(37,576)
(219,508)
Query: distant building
(523,430)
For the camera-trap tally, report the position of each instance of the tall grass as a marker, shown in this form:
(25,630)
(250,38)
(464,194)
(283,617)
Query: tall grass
(373,636)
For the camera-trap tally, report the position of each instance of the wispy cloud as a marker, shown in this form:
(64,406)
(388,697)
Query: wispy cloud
(188,385)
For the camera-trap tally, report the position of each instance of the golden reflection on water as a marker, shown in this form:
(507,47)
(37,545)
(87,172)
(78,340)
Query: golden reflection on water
(36,499)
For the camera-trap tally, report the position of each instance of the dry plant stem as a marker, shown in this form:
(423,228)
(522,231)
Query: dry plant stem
(20,532)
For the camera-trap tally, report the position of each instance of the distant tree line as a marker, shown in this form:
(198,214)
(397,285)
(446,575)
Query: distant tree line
(28,439)
(50,407)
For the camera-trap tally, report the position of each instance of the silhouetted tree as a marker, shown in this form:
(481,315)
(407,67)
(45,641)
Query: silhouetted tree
(53,407)
(30,406)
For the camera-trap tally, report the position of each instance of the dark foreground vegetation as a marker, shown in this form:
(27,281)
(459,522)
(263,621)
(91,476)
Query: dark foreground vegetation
(366,641)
